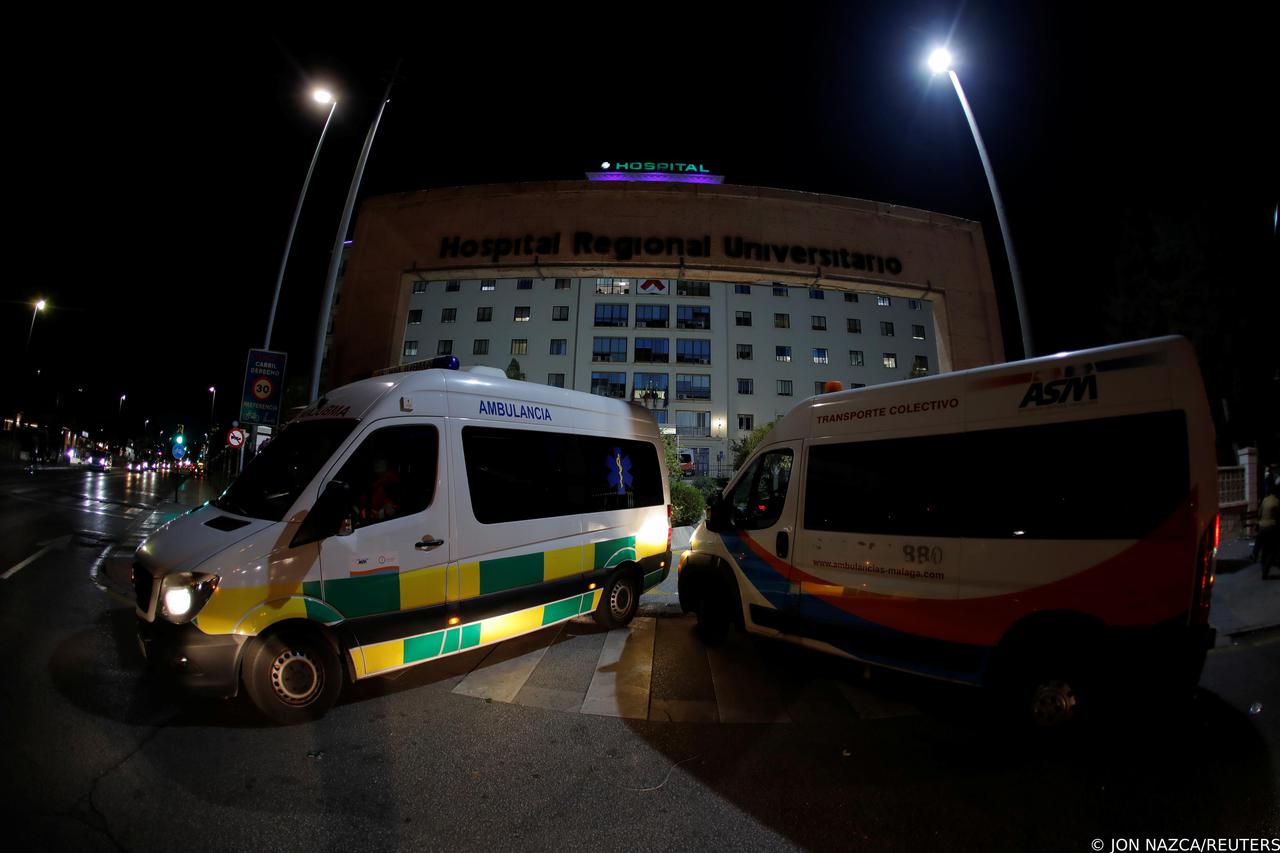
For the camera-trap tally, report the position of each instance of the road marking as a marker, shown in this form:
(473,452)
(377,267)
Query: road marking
(504,671)
(620,686)
(49,545)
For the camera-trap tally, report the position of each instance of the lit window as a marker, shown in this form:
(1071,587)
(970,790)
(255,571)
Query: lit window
(917,331)
(621,286)
(650,390)
(883,301)
(410,347)
(519,346)
(782,353)
(890,360)
(488,284)
(521,314)
(920,365)
(820,355)
(419,287)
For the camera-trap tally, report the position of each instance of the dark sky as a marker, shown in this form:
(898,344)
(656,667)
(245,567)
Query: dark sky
(159,161)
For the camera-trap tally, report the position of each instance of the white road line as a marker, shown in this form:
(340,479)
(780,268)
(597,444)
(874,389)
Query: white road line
(505,670)
(56,543)
(624,672)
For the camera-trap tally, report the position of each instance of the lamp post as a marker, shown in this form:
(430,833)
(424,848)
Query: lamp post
(39,306)
(120,409)
(940,61)
(212,400)
(320,96)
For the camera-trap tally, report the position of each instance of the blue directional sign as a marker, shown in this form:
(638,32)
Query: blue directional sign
(179,451)
(263,387)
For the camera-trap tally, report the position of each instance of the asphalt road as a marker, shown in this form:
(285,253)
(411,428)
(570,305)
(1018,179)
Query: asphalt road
(98,756)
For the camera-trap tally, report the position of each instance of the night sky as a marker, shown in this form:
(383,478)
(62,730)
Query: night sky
(158,169)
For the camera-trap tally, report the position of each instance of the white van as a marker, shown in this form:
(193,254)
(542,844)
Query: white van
(401,519)
(1022,525)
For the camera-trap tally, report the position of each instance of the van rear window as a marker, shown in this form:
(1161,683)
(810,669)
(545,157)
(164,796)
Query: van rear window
(515,475)
(1109,478)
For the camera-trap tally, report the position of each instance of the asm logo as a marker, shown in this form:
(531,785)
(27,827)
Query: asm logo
(1070,389)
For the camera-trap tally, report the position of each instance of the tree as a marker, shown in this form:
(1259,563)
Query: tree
(744,447)
(513,370)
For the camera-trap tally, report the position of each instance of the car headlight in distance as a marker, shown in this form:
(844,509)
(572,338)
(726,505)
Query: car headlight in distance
(183,594)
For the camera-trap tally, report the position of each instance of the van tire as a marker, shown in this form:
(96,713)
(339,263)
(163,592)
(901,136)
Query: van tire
(713,615)
(1050,692)
(292,676)
(619,601)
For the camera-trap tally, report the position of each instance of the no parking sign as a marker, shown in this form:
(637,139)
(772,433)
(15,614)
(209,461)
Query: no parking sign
(235,437)
(263,388)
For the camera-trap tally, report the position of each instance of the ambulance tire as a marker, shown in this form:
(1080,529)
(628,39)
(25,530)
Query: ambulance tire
(292,676)
(619,600)
(1051,691)
(713,614)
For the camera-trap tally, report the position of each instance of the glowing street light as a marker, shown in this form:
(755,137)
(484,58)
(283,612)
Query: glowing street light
(39,306)
(939,61)
(212,400)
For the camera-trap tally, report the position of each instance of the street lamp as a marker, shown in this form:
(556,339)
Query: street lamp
(39,306)
(212,400)
(940,60)
(120,410)
(320,96)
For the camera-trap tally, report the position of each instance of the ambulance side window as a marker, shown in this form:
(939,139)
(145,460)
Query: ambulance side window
(392,474)
(759,496)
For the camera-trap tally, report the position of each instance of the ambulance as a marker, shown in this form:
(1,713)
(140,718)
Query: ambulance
(399,520)
(1047,527)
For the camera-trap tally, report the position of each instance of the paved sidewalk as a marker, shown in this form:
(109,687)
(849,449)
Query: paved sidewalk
(1242,601)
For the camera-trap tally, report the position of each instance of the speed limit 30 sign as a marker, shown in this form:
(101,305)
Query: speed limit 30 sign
(263,387)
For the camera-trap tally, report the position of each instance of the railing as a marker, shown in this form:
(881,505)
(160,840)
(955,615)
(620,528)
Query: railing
(1231,486)
(694,431)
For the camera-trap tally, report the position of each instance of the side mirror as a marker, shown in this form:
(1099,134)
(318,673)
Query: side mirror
(330,516)
(717,513)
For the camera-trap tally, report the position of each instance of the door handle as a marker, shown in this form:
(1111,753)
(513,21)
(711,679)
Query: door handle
(428,542)
(783,543)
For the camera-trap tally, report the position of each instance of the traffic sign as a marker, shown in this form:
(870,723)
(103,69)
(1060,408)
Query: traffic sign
(263,387)
(179,451)
(235,438)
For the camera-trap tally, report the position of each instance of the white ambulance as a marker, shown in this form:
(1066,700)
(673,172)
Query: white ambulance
(401,519)
(1048,525)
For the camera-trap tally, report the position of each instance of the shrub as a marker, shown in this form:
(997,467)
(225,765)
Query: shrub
(687,503)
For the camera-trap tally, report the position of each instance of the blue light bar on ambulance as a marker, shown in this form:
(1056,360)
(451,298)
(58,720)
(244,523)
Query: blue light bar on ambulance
(444,362)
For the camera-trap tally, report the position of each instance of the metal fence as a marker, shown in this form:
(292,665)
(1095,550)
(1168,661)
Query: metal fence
(1231,486)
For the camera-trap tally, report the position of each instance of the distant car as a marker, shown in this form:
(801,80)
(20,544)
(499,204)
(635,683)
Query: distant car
(687,467)
(100,462)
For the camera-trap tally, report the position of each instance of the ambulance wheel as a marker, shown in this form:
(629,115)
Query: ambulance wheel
(619,601)
(292,676)
(713,615)
(1051,693)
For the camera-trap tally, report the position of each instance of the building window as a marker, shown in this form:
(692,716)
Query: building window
(609,349)
(653,316)
(410,347)
(696,424)
(610,314)
(886,329)
(744,352)
(815,293)
(818,324)
(855,326)
(782,353)
(522,314)
(851,297)
(444,348)
(524,284)
(452,286)
(693,317)
(913,304)
(609,385)
(917,331)
(779,290)
(782,321)
(488,284)
(559,346)
(746,386)
(419,287)
(693,288)
(856,358)
(653,350)
(484,314)
(742,289)
(519,346)
(746,423)
(561,284)
(920,365)
(820,355)
(556,380)
(480,346)
(742,318)
(819,387)
(619,286)
(890,360)
(693,386)
(784,387)
(693,351)
(650,390)
(448,315)
(559,312)
(883,301)
(415,317)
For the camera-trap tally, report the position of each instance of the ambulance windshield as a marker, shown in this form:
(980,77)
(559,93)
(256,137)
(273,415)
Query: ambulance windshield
(283,468)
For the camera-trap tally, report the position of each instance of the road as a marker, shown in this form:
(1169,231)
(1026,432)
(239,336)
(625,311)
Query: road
(569,739)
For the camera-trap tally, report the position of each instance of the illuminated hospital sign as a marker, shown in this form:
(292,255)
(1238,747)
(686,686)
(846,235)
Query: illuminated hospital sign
(655,171)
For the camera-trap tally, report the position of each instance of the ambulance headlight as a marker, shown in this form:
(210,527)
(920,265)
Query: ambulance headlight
(182,595)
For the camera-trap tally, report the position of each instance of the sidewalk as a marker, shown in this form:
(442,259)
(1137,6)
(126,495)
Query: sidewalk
(1242,600)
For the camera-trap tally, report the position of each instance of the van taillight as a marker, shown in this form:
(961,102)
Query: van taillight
(1206,554)
(670,516)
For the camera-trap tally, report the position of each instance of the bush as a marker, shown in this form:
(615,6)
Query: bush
(688,505)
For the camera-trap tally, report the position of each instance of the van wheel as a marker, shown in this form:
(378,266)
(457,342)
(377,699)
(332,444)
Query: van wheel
(619,601)
(1050,694)
(292,677)
(713,616)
